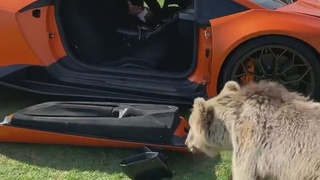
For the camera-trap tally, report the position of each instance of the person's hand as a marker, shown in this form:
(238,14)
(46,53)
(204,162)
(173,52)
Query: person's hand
(135,10)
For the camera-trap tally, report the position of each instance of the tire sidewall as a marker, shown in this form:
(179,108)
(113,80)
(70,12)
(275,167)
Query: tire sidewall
(272,40)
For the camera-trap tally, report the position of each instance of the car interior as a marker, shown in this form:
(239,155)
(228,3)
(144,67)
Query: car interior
(101,33)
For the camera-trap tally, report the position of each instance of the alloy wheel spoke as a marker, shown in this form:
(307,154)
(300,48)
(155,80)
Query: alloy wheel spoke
(277,61)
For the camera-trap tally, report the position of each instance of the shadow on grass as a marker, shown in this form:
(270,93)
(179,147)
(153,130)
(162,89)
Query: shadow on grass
(188,166)
(66,158)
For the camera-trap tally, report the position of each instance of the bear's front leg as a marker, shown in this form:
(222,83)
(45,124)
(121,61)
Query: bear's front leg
(243,167)
(241,173)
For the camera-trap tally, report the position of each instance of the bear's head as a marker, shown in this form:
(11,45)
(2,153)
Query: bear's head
(210,121)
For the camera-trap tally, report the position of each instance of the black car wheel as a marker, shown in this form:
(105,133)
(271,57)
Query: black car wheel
(275,58)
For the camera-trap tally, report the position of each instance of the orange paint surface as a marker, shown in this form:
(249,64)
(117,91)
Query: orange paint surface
(25,39)
(36,32)
(13,47)
(14,4)
(202,71)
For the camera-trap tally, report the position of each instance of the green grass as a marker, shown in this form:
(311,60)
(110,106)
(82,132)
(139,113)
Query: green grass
(22,161)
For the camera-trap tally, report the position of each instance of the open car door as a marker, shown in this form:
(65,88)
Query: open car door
(97,124)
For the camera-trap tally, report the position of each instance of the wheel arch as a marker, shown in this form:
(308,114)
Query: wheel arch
(240,44)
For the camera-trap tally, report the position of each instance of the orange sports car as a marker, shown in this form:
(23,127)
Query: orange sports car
(145,51)
(96,49)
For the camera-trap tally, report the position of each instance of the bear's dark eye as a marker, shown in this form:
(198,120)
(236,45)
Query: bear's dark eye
(186,130)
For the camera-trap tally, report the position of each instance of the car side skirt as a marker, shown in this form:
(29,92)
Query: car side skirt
(13,134)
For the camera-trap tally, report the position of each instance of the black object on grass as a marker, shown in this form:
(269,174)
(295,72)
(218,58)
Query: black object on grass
(146,166)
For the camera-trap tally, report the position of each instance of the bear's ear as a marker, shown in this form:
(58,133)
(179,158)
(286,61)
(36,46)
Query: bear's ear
(231,86)
(199,104)
(206,112)
(207,118)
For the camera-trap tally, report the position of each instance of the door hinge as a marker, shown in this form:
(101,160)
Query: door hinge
(51,35)
(207,34)
(205,81)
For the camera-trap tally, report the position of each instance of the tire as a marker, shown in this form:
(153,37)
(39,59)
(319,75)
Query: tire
(302,49)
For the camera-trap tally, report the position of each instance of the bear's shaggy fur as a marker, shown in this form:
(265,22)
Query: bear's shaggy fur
(273,133)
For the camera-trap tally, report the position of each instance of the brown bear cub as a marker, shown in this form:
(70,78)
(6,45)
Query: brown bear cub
(272,132)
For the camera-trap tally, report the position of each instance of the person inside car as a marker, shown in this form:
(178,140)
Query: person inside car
(153,49)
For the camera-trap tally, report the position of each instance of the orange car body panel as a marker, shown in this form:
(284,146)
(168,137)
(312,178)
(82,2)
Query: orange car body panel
(15,4)
(13,47)
(25,39)
(231,31)
(201,74)
(23,135)
(42,35)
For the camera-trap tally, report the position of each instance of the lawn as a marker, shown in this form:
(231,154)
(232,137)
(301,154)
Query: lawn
(21,161)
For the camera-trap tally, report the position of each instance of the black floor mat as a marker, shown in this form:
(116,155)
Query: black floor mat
(131,122)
